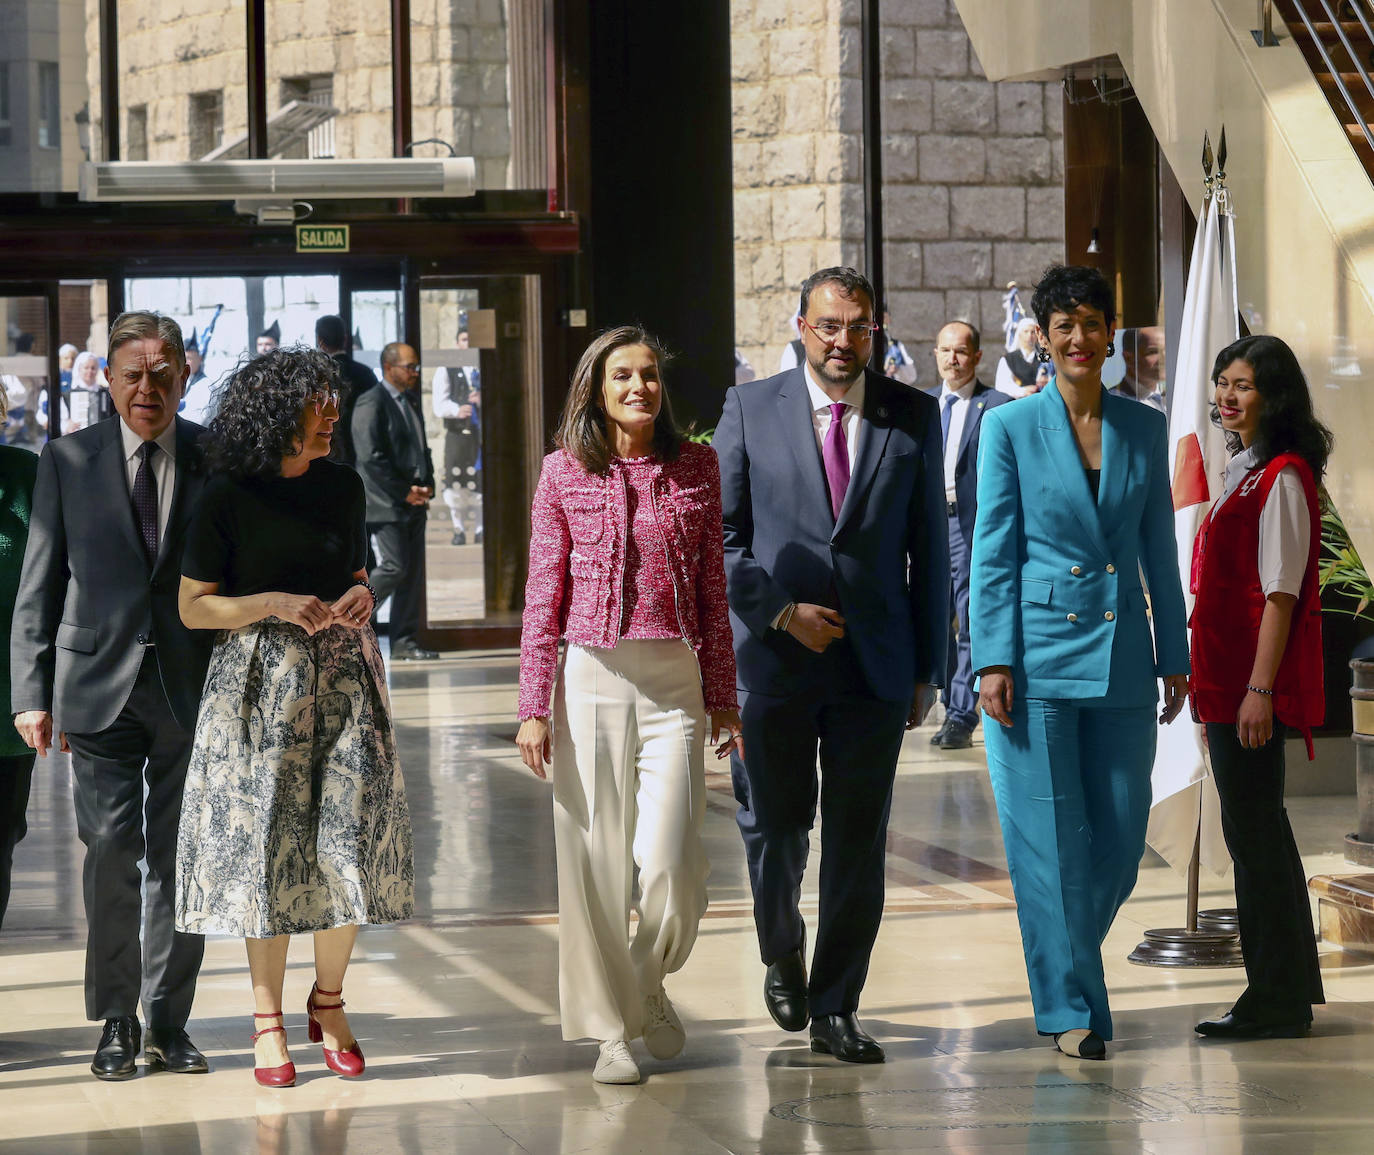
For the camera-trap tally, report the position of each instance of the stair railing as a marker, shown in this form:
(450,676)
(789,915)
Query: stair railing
(1329,11)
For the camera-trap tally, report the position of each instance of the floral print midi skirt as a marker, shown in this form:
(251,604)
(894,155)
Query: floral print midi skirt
(294,815)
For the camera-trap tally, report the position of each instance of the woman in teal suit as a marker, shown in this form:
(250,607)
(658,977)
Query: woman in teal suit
(1073,505)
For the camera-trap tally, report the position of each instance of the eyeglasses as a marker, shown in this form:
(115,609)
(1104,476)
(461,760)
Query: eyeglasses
(408,366)
(322,401)
(829,331)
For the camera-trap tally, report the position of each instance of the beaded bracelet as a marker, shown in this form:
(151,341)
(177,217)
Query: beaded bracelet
(1257,690)
(367,585)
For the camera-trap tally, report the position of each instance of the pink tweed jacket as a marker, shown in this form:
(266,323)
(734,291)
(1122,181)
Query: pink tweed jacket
(577,569)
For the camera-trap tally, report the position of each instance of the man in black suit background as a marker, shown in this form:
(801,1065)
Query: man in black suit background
(354,380)
(398,475)
(963,400)
(103,666)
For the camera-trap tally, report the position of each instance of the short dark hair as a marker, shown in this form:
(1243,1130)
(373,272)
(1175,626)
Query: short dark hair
(1063,288)
(391,352)
(582,430)
(851,283)
(330,333)
(1287,422)
(259,419)
(139,326)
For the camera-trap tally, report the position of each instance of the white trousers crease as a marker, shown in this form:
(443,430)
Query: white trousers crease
(629,790)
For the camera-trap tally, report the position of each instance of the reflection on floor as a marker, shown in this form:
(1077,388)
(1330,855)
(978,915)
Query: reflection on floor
(457,1011)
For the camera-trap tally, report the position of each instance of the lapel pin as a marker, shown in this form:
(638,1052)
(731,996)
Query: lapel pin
(882,412)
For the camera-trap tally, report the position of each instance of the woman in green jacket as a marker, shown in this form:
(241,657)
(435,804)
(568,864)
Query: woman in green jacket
(18,468)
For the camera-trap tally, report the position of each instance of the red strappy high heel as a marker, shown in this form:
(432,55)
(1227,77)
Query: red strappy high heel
(283,1076)
(350,1063)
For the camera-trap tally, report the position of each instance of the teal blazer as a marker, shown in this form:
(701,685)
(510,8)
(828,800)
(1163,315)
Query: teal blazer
(1055,588)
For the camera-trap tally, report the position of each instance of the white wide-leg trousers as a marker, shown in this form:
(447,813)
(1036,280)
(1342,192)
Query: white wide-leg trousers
(629,789)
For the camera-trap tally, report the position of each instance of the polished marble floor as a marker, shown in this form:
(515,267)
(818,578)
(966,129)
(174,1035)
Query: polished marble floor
(457,1011)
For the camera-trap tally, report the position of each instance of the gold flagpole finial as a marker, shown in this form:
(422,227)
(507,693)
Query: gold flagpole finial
(1207,164)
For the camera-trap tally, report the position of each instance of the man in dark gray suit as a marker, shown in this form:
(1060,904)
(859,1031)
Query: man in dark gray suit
(102,666)
(398,476)
(838,578)
(963,400)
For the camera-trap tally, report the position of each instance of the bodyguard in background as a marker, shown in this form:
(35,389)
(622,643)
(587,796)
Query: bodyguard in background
(355,379)
(838,580)
(398,477)
(963,401)
(18,467)
(103,666)
(1073,503)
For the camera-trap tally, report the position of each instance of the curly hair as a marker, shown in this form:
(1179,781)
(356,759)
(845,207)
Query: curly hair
(259,419)
(1063,288)
(582,429)
(1287,422)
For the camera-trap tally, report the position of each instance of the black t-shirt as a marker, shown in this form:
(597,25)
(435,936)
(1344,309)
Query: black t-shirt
(295,535)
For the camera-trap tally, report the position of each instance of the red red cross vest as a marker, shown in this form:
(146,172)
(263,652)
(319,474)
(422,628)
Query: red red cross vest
(1230,602)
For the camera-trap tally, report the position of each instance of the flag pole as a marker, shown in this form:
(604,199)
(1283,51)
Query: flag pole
(1208,938)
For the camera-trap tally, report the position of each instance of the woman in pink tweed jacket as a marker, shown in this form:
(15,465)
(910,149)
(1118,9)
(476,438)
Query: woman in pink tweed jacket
(626,566)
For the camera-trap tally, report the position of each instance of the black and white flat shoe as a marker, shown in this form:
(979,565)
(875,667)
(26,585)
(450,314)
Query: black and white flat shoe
(1081,1043)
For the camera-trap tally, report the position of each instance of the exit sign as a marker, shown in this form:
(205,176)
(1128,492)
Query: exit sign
(321,238)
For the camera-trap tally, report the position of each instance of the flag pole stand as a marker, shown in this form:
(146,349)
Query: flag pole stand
(1211,938)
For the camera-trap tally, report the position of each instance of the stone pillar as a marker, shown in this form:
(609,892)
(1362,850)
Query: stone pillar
(525,49)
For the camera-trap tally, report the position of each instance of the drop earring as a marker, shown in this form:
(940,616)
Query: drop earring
(1042,354)
(1111,348)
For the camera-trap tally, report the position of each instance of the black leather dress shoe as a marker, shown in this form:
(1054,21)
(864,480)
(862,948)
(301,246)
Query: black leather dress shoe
(939,735)
(784,990)
(412,653)
(1230,1027)
(173,1051)
(119,1045)
(956,737)
(841,1036)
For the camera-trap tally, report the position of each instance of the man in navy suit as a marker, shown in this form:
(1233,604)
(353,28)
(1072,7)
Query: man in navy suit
(962,401)
(832,494)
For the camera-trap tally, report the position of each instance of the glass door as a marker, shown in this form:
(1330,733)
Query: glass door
(480,352)
(26,367)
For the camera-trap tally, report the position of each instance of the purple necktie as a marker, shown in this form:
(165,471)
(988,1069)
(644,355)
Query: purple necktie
(835,455)
(145,499)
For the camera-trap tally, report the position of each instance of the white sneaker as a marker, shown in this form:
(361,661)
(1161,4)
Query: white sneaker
(615,1064)
(663,1033)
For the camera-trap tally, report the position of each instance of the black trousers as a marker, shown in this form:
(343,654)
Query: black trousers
(400,572)
(119,826)
(1271,887)
(858,738)
(16,775)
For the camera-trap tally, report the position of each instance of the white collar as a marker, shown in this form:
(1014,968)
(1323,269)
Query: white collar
(854,395)
(964,394)
(166,440)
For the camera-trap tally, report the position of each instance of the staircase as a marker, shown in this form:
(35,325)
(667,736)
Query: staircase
(1336,37)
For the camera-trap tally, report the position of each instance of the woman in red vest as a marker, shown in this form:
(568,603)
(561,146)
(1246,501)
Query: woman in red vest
(1257,668)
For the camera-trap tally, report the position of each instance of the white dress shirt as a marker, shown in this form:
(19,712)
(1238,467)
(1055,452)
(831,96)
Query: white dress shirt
(957,416)
(1285,527)
(163,465)
(820,422)
(820,414)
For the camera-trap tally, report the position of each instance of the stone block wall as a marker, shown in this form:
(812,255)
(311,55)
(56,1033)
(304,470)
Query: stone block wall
(972,170)
(170,49)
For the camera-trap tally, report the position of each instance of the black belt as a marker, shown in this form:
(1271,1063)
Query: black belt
(952,508)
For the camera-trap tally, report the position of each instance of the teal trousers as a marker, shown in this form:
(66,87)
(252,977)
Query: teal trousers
(1072,785)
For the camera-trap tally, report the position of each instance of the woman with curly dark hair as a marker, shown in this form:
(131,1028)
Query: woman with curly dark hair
(1257,668)
(294,817)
